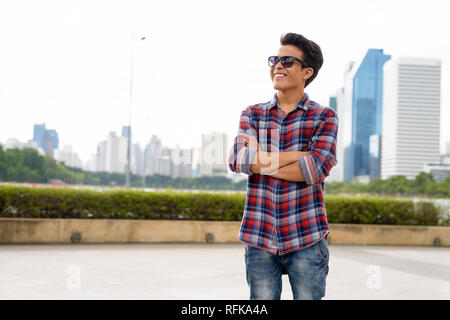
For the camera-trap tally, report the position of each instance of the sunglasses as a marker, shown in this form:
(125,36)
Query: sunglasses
(286,61)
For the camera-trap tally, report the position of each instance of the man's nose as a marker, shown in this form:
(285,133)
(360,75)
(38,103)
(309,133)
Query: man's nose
(278,65)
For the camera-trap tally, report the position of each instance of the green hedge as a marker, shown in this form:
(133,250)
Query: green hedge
(123,204)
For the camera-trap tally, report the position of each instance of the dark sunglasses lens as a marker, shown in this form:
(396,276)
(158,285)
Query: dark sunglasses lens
(287,62)
(273,60)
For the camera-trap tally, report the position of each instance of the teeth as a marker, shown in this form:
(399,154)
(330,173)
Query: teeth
(279,75)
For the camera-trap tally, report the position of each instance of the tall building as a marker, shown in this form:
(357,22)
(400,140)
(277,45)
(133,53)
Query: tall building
(332,103)
(214,154)
(70,158)
(196,159)
(363,91)
(375,156)
(164,162)
(411,112)
(137,159)
(91,163)
(336,102)
(39,134)
(151,153)
(126,130)
(181,163)
(112,154)
(14,143)
(45,139)
(101,156)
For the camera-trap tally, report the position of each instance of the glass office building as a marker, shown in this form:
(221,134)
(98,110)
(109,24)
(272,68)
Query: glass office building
(363,113)
(46,139)
(332,103)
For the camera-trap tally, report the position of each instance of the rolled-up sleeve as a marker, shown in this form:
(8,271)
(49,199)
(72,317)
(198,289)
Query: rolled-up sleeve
(316,166)
(241,156)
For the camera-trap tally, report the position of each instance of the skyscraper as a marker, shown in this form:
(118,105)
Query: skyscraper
(70,158)
(45,139)
(214,154)
(39,134)
(137,159)
(152,152)
(181,162)
(336,102)
(411,112)
(363,112)
(112,154)
(126,131)
(332,103)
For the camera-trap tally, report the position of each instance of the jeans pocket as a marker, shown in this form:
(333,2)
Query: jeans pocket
(322,250)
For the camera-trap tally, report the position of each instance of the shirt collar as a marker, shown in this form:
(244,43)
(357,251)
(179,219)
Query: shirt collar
(303,104)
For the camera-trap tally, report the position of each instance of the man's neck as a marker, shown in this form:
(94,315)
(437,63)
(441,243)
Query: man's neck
(287,100)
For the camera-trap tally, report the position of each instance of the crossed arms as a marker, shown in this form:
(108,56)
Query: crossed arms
(311,166)
(281,165)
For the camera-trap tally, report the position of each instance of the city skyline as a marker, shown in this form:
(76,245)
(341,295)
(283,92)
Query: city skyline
(211,157)
(110,154)
(72,73)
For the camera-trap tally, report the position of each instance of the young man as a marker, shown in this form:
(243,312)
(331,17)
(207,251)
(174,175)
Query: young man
(287,146)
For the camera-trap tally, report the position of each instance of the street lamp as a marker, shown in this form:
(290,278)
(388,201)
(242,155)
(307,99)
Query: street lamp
(133,40)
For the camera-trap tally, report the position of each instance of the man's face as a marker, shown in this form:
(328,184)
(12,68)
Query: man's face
(289,78)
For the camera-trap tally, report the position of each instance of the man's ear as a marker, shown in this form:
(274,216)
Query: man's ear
(308,73)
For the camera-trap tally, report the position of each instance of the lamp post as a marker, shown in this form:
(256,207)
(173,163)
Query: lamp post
(133,40)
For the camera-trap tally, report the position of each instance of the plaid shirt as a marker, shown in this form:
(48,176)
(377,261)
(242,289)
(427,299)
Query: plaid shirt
(281,216)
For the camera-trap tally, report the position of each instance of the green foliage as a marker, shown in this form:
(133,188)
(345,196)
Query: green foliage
(117,204)
(422,185)
(388,211)
(29,202)
(27,165)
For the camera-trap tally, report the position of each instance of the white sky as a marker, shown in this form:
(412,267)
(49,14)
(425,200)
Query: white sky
(67,63)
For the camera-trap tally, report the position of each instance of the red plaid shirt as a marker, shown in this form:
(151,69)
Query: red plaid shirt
(281,216)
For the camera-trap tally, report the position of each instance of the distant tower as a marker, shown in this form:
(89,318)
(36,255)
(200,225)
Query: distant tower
(363,111)
(45,139)
(214,154)
(411,116)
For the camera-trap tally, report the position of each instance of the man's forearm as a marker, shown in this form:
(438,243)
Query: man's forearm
(290,172)
(269,163)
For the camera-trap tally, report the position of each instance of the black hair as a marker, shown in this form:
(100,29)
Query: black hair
(312,54)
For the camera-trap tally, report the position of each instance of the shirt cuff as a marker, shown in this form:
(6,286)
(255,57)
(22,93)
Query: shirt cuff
(308,169)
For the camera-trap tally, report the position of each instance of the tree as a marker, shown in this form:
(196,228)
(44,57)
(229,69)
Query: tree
(423,181)
(2,163)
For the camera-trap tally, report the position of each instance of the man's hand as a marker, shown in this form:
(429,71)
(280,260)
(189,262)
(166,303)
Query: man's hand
(270,163)
(251,142)
(262,158)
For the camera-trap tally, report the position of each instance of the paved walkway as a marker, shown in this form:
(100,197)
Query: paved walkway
(209,271)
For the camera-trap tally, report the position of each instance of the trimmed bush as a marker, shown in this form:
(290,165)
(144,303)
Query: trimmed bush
(381,211)
(25,202)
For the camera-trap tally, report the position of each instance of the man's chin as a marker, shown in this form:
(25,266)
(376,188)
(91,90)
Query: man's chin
(278,87)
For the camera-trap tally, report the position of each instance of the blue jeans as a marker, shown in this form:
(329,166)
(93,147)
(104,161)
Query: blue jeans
(307,270)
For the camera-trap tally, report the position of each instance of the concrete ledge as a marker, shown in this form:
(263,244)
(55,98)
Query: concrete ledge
(29,230)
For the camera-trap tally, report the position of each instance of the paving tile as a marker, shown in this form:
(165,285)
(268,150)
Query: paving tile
(209,271)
